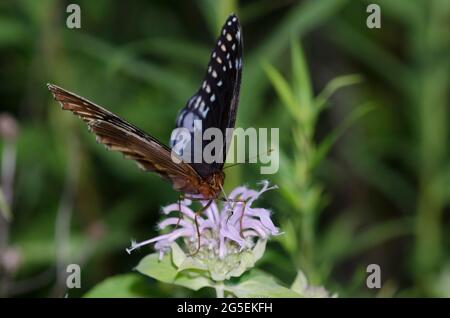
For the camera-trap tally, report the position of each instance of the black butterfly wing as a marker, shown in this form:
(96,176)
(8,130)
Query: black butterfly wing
(215,103)
(118,135)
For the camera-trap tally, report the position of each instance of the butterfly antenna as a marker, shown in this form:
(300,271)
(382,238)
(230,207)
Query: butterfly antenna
(224,194)
(240,163)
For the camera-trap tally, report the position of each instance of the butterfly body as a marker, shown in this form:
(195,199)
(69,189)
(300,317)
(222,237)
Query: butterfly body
(208,188)
(214,104)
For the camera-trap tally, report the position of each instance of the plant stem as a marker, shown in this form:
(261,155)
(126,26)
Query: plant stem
(220,290)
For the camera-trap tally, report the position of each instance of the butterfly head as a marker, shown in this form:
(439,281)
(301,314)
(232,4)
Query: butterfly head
(211,187)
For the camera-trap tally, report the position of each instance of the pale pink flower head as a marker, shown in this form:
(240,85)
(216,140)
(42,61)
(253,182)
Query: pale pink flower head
(225,231)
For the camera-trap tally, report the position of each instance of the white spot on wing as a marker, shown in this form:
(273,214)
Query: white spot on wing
(203,111)
(197,125)
(197,102)
(188,120)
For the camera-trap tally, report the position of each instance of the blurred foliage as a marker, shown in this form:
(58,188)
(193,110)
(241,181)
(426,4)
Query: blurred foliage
(352,192)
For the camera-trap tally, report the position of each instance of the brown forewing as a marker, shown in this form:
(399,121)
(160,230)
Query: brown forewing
(118,135)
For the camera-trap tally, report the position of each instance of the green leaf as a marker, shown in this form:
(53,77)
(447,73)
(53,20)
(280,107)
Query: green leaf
(300,283)
(334,85)
(282,88)
(261,285)
(178,256)
(192,264)
(259,249)
(302,81)
(301,286)
(329,141)
(194,282)
(165,271)
(120,286)
(183,262)
(289,238)
(246,261)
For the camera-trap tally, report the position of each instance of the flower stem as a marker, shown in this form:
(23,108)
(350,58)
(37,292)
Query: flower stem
(220,290)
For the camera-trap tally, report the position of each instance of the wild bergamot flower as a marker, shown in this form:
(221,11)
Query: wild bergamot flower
(232,237)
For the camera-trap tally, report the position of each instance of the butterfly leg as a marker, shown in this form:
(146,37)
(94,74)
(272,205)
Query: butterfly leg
(197,214)
(241,219)
(181,197)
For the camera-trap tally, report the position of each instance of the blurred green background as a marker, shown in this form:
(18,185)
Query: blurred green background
(365,174)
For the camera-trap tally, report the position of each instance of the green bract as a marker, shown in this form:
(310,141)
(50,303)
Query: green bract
(207,270)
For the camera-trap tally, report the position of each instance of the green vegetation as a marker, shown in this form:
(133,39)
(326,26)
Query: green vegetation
(364,123)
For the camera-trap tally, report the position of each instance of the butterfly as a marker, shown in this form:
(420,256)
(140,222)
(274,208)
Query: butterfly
(214,105)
